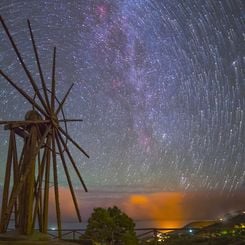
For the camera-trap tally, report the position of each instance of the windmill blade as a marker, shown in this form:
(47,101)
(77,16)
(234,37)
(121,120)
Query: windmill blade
(64,99)
(72,141)
(70,120)
(53,81)
(56,189)
(72,161)
(22,92)
(39,65)
(33,83)
(27,122)
(68,178)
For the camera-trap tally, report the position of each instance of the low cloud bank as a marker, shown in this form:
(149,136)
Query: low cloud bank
(164,209)
(160,209)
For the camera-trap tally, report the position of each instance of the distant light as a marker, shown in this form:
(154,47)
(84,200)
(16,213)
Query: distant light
(190,230)
(53,228)
(221,219)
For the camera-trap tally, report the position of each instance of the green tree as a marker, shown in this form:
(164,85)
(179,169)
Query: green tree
(111,226)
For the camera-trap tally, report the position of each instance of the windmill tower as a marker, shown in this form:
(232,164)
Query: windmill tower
(27,176)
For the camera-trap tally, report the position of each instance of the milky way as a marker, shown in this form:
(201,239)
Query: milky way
(159,85)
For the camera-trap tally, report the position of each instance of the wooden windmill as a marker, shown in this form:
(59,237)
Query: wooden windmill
(28,176)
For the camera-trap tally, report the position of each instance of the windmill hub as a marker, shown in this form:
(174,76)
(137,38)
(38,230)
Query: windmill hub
(54,121)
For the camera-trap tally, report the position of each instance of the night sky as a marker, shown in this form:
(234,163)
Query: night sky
(159,84)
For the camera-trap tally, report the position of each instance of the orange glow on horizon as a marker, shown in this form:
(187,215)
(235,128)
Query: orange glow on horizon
(138,199)
(164,209)
(169,224)
(160,209)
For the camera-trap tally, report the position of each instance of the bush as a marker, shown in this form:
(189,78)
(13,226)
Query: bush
(111,226)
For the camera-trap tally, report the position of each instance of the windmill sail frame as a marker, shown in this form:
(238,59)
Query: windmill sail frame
(28,176)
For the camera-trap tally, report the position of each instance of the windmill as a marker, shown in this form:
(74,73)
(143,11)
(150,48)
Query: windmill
(28,174)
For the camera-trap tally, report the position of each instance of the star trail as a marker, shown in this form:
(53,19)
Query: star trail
(159,85)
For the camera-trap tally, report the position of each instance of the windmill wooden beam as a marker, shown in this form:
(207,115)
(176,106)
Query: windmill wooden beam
(43,138)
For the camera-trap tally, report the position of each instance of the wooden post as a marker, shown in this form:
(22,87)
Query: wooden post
(38,187)
(4,223)
(16,176)
(46,188)
(27,193)
(56,189)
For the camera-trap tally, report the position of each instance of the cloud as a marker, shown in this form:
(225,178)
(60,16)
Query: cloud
(164,208)
(159,209)
(168,209)
(176,208)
